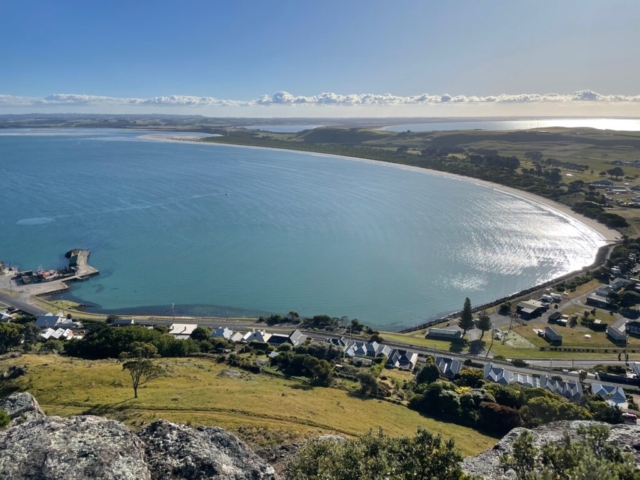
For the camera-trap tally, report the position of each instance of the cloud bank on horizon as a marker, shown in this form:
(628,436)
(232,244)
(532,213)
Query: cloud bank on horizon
(323,99)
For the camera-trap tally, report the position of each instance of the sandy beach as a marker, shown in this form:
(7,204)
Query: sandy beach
(608,235)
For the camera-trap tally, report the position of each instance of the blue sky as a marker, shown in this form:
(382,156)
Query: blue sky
(239,50)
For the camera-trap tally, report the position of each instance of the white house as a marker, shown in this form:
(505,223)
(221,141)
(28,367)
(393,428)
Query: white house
(257,336)
(182,331)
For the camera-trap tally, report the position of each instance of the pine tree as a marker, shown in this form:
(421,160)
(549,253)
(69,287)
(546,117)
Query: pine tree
(484,323)
(466,319)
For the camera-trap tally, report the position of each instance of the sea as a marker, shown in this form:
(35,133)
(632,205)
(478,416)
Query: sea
(233,231)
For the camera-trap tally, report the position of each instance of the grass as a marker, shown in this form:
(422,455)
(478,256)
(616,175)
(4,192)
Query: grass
(260,408)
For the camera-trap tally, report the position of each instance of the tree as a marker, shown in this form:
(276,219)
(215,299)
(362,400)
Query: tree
(368,384)
(616,172)
(484,323)
(200,334)
(139,364)
(320,370)
(524,455)
(466,319)
(428,374)
(10,336)
(533,155)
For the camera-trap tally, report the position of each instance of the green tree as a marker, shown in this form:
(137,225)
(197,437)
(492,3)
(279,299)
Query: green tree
(523,460)
(200,334)
(378,457)
(616,172)
(428,374)
(368,384)
(466,319)
(139,364)
(484,323)
(320,370)
(10,336)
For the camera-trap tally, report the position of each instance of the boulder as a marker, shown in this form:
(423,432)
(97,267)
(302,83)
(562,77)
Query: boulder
(179,452)
(487,464)
(21,407)
(74,448)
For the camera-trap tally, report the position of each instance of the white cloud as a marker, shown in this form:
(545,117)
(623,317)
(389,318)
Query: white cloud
(327,98)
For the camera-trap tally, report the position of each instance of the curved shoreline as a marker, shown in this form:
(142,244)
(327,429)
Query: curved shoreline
(608,235)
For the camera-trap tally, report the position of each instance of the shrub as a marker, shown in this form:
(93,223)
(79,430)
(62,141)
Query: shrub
(5,419)
(498,418)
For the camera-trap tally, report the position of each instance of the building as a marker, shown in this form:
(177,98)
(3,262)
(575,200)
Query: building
(49,320)
(402,359)
(531,308)
(619,283)
(295,338)
(497,374)
(525,380)
(237,337)
(617,336)
(384,351)
(182,331)
(222,332)
(604,290)
(633,327)
(445,334)
(614,396)
(602,184)
(635,367)
(552,336)
(256,336)
(448,367)
(340,343)
(599,301)
(571,390)
(123,322)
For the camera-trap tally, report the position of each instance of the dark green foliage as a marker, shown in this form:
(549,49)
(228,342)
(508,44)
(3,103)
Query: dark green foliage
(498,418)
(469,377)
(484,324)
(378,457)
(10,336)
(4,419)
(589,457)
(323,351)
(200,334)
(428,374)
(368,384)
(509,396)
(466,319)
(304,366)
(541,410)
(591,210)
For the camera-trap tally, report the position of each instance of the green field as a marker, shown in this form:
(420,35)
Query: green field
(262,409)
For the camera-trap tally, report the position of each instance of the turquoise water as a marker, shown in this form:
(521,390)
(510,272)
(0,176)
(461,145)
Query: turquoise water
(622,124)
(232,231)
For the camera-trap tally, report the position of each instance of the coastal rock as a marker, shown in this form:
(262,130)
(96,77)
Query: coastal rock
(21,407)
(179,452)
(74,448)
(487,464)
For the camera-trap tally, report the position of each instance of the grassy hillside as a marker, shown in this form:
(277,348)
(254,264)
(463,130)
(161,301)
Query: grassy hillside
(262,409)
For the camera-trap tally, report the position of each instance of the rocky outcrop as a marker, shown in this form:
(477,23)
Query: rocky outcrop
(89,447)
(487,464)
(176,452)
(21,407)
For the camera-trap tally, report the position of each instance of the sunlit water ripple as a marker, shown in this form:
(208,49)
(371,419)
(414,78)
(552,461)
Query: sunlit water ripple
(231,231)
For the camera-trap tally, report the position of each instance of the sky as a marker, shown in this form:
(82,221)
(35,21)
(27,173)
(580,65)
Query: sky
(326,58)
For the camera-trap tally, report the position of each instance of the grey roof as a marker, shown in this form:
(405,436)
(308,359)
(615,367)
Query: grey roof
(497,374)
(612,395)
(449,367)
(48,321)
(444,333)
(123,322)
(297,337)
(338,342)
(553,334)
(636,369)
(403,359)
(571,389)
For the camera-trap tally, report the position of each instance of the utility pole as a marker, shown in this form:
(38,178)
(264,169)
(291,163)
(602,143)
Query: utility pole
(173,310)
(491,345)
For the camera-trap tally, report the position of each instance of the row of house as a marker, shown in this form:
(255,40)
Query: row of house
(56,321)
(396,357)
(59,334)
(570,389)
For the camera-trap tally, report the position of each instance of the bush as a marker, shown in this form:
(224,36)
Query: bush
(5,419)
(498,418)
(519,363)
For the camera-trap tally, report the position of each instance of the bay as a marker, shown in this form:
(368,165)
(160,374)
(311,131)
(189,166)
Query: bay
(221,230)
